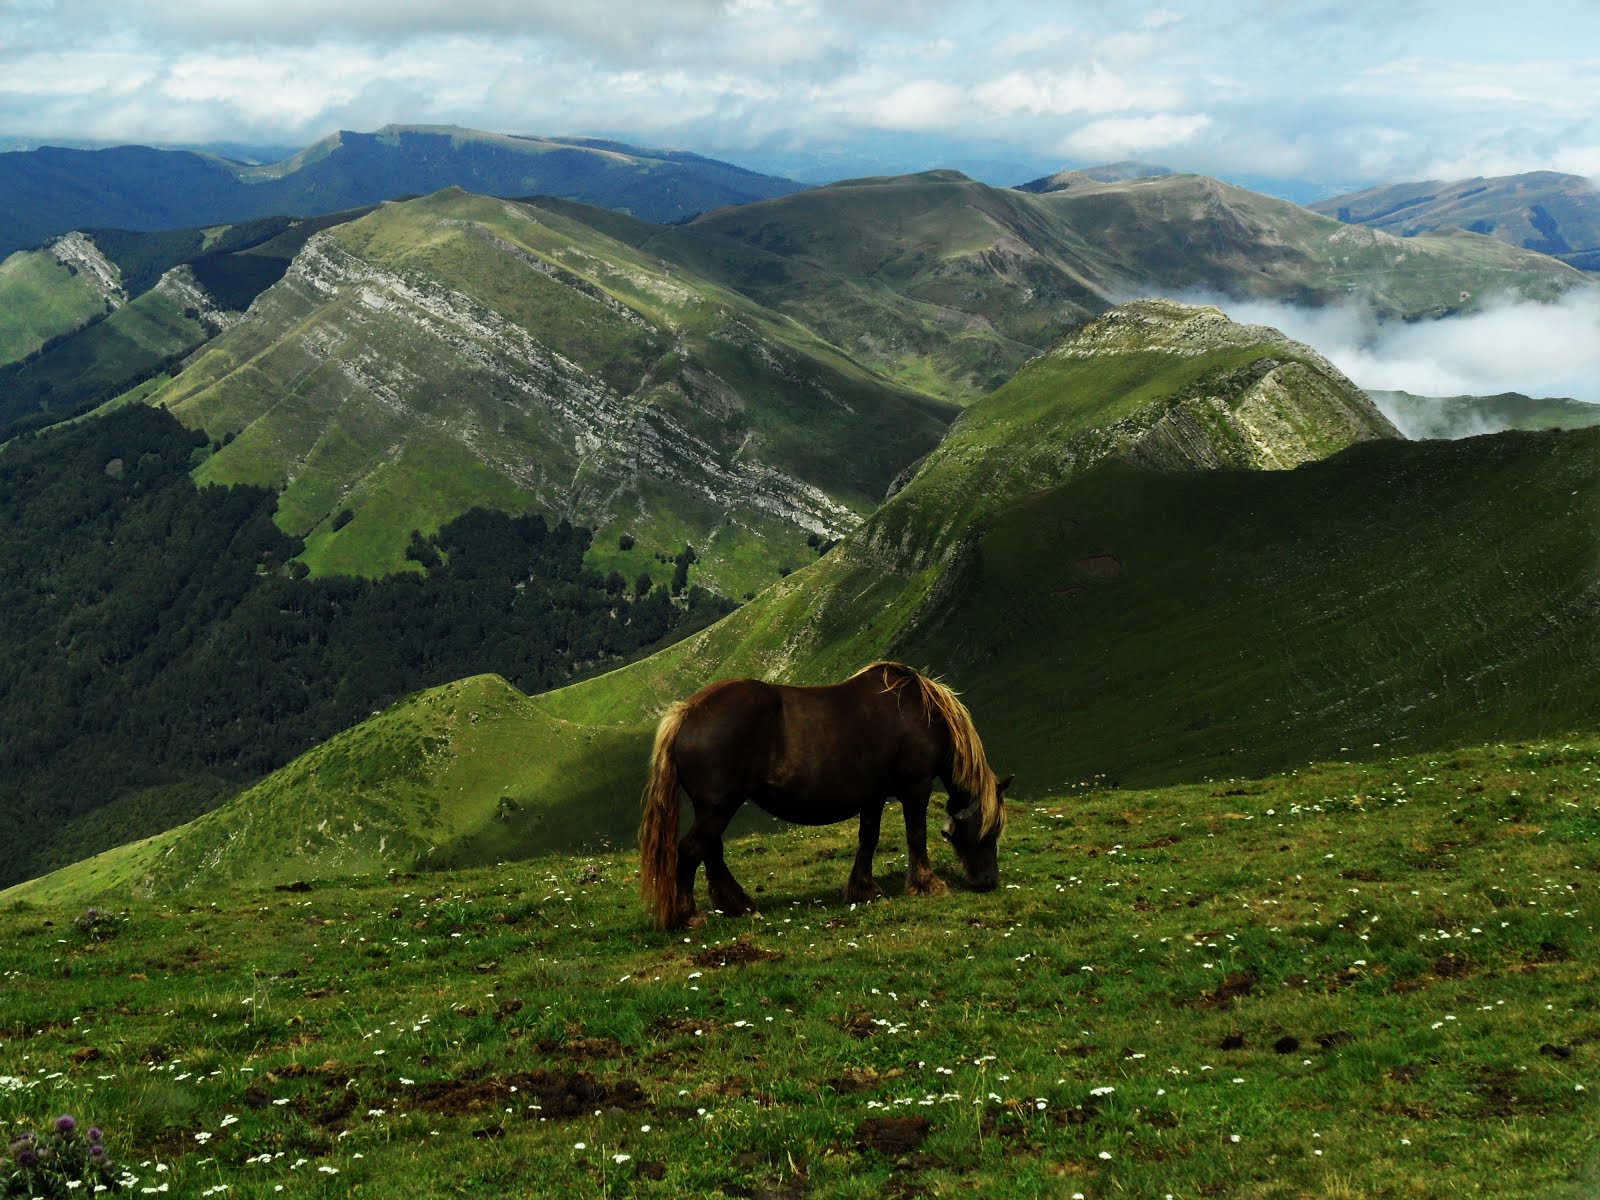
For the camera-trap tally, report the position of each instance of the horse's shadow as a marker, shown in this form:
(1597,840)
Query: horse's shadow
(828,900)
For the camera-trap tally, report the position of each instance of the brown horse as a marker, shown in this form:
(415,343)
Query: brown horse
(815,755)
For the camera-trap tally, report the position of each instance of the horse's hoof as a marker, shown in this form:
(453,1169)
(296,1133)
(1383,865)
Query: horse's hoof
(854,894)
(931,886)
(694,920)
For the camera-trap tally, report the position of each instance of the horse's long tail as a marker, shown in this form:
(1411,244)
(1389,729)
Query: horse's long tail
(658,831)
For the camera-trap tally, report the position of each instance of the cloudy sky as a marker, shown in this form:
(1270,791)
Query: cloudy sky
(1340,94)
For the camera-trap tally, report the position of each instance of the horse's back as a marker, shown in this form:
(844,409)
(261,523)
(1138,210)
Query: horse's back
(727,734)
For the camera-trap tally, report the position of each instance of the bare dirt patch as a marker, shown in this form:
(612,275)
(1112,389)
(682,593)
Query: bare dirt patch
(1229,992)
(735,954)
(582,1048)
(892,1136)
(553,1094)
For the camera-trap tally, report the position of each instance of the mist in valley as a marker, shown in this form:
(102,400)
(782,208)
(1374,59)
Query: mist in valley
(1510,345)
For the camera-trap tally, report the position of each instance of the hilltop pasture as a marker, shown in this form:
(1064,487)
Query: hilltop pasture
(1351,980)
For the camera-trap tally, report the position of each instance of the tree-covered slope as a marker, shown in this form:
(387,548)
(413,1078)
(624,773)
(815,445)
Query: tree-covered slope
(158,651)
(461,351)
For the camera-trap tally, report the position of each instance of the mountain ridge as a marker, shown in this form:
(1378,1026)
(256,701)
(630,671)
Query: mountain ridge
(54,190)
(1547,211)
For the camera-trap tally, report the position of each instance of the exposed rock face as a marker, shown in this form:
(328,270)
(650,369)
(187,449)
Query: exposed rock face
(1220,394)
(606,438)
(180,285)
(78,252)
(459,351)
(1272,414)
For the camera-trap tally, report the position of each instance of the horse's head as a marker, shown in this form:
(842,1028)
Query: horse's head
(974,838)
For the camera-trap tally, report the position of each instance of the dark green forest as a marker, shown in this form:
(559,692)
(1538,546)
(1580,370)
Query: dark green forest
(160,647)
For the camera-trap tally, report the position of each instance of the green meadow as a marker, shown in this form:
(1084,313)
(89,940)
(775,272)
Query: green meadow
(1351,980)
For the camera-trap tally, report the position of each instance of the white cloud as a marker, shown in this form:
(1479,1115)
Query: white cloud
(1124,137)
(920,104)
(1061,92)
(1373,92)
(1510,346)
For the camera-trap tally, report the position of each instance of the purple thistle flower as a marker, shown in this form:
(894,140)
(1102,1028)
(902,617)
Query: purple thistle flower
(97,1154)
(95,1136)
(27,1156)
(66,1123)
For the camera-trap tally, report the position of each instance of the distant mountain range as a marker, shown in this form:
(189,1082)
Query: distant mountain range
(1065,180)
(52,190)
(1470,416)
(1552,213)
(809,347)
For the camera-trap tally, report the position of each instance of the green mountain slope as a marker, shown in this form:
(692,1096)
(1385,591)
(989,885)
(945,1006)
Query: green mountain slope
(1469,416)
(459,351)
(159,651)
(1182,231)
(1546,211)
(95,315)
(139,339)
(51,293)
(949,286)
(1213,393)
(53,190)
(1064,180)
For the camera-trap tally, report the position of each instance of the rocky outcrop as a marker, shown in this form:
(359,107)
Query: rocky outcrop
(1181,387)
(77,252)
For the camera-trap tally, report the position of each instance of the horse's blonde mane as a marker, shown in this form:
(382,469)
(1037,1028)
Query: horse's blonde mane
(968,765)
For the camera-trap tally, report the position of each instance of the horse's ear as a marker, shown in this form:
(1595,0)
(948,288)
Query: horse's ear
(1000,788)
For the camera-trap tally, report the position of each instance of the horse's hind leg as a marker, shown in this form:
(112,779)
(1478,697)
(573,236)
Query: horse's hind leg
(861,886)
(727,897)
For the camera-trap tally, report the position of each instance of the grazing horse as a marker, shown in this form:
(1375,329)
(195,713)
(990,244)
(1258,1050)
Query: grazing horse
(815,755)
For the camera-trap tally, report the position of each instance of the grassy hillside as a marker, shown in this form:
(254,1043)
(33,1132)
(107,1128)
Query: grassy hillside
(1151,627)
(1545,211)
(459,351)
(949,286)
(43,297)
(141,338)
(97,315)
(1371,979)
(900,574)
(1182,231)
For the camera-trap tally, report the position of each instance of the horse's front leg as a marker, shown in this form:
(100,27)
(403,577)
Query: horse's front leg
(861,886)
(920,879)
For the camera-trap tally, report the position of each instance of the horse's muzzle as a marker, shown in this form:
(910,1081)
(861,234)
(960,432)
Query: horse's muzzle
(986,882)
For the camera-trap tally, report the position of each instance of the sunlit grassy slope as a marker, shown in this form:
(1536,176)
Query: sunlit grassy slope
(41,299)
(1365,979)
(949,285)
(459,350)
